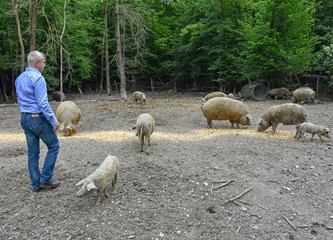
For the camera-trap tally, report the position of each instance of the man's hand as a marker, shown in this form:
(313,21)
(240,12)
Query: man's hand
(56,127)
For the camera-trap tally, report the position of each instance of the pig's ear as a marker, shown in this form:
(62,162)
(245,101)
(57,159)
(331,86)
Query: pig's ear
(91,186)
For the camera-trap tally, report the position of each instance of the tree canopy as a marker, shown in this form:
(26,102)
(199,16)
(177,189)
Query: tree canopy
(185,41)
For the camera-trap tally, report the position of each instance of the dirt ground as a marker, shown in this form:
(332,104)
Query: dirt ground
(197,183)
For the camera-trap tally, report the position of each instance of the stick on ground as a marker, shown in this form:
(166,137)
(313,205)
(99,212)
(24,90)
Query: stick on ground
(239,196)
(222,185)
(289,222)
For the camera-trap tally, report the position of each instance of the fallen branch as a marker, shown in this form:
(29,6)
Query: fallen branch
(275,180)
(239,196)
(243,202)
(220,181)
(236,233)
(304,226)
(222,185)
(295,179)
(289,222)
(329,227)
(232,216)
(261,206)
(255,215)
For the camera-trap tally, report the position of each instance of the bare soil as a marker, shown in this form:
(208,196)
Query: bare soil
(197,183)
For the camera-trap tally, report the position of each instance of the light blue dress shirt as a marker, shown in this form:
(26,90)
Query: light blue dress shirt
(32,94)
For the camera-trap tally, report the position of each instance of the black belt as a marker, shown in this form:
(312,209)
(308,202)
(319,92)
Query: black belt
(31,114)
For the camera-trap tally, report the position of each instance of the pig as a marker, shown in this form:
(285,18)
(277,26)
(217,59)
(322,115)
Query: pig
(277,93)
(287,114)
(107,173)
(312,128)
(212,95)
(139,96)
(145,126)
(223,108)
(68,115)
(305,94)
(58,96)
(231,95)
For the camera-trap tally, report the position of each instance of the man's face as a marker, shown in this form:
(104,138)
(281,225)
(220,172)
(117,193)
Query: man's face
(40,64)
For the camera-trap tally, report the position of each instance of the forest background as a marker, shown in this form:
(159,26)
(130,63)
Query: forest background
(121,45)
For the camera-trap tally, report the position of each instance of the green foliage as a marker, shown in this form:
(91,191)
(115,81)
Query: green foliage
(229,41)
(323,62)
(169,94)
(278,39)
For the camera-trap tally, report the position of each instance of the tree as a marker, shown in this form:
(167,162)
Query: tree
(278,39)
(106,49)
(16,10)
(33,20)
(119,53)
(61,49)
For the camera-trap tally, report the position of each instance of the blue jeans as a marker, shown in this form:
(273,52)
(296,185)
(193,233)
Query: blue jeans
(36,128)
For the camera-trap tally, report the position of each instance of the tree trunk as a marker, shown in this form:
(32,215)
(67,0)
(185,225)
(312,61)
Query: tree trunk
(298,81)
(174,86)
(133,81)
(61,50)
(4,87)
(16,10)
(152,84)
(33,22)
(100,87)
(13,77)
(120,58)
(106,49)
(317,87)
(80,90)
(1,96)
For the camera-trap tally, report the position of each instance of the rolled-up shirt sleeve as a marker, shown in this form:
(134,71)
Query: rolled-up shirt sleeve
(42,100)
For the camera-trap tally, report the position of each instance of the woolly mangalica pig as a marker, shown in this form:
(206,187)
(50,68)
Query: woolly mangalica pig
(287,114)
(313,129)
(139,96)
(304,94)
(105,174)
(58,96)
(212,95)
(222,108)
(145,126)
(68,115)
(277,93)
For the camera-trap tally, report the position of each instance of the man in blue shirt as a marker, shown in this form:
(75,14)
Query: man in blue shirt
(38,121)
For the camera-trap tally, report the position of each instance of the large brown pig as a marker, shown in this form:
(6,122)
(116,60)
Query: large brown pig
(68,115)
(287,114)
(305,94)
(223,108)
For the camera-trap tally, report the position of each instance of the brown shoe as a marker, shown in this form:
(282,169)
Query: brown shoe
(52,184)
